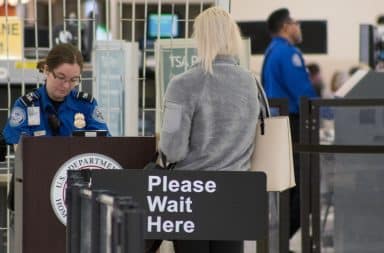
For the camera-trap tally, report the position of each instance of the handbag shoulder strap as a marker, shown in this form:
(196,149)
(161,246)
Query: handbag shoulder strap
(265,110)
(264,106)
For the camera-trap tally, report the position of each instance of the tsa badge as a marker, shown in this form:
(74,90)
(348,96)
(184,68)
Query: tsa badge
(79,120)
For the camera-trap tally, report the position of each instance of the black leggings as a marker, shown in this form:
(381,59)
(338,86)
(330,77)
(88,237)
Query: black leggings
(186,246)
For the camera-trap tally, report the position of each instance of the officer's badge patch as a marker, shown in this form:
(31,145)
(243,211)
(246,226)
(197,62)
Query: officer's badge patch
(97,115)
(79,120)
(296,61)
(17,117)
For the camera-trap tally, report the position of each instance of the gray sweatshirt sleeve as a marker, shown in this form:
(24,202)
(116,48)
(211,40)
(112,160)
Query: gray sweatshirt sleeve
(177,118)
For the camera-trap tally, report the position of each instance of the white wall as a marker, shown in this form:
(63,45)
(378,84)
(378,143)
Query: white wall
(343,16)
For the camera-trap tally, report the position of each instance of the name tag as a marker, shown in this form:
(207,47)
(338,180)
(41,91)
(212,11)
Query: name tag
(33,116)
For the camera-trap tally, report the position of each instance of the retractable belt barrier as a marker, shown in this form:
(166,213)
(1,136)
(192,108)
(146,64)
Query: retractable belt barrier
(100,221)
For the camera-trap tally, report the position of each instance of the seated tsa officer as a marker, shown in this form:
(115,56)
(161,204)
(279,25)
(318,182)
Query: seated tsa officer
(57,108)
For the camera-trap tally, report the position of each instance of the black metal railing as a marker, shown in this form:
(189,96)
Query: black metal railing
(311,147)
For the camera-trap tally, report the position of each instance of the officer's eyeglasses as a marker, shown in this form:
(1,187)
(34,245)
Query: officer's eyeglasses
(73,81)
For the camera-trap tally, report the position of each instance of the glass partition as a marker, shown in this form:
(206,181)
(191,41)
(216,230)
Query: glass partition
(344,175)
(351,203)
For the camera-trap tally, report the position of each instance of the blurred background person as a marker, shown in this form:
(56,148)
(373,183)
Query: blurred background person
(211,112)
(337,80)
(316,78)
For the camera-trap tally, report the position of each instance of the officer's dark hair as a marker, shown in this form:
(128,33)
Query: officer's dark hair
(277,19)
(62,53)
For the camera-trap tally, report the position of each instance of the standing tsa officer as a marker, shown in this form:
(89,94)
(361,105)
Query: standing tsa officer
(57,108)
(284,75)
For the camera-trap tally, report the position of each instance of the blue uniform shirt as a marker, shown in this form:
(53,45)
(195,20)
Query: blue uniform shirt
(30,115)
(284,74)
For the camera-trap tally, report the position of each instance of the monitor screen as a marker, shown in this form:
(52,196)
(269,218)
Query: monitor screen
(314,36)
(257,31)
(169,25)
(368,52)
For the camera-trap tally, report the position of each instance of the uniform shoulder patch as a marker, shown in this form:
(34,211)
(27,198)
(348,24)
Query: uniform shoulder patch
(296,60)
(97,115)
(17,116)
(84,96)
(29,98)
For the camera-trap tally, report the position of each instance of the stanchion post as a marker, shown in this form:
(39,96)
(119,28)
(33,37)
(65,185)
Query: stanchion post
(73,202)
(95,226)
(76,180)
(120,203)
(133,228)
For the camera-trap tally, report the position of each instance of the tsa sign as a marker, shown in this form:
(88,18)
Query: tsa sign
(176,61)
(11,35)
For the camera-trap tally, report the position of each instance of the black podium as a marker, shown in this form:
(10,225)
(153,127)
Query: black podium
(40,184)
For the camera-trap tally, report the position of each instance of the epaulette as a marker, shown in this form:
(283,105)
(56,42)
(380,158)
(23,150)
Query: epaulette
(29,98)
(84,96)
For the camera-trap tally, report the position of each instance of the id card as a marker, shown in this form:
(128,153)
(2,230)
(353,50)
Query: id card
(33,116)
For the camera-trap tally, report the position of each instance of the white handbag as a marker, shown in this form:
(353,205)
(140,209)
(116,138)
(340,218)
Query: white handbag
(273,149)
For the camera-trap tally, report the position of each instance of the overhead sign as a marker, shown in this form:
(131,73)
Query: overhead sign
(194,205)
(11,38)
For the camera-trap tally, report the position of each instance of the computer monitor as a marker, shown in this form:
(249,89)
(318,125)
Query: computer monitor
(368,45)
(257,31)
(169,25)
(314,36)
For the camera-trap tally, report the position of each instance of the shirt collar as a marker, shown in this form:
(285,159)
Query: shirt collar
(279,39)
(226,59)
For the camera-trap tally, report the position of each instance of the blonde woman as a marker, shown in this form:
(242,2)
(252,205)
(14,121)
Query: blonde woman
(211,112)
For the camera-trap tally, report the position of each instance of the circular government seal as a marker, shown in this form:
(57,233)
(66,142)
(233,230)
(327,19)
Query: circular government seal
(79,162)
